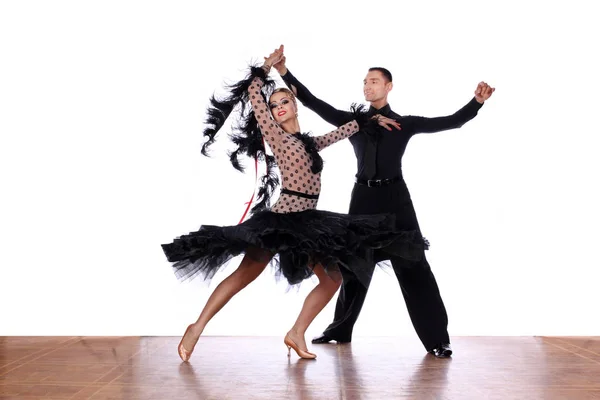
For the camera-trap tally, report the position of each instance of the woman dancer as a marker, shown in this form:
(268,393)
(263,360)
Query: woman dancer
(306,240)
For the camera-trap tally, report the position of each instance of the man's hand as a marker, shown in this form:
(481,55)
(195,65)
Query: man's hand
(483,92)
(280,66)
(386,122)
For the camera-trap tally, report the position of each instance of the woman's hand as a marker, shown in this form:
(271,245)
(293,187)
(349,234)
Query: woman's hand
(274,58)
(386,122)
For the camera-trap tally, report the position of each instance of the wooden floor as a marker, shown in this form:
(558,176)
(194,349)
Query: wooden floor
(258,368)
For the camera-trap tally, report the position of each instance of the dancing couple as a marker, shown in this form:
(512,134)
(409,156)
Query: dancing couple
(300,240)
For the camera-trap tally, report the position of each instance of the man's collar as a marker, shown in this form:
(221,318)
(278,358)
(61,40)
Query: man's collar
(385,110)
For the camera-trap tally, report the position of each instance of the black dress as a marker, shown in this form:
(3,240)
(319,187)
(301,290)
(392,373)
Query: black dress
(293,236)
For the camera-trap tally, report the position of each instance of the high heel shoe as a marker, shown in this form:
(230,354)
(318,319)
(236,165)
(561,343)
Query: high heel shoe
(301,353)
(183,353)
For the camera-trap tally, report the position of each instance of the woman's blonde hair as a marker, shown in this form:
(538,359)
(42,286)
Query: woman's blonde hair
(287,91)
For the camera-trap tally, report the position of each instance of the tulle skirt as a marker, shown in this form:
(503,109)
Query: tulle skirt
(293,243)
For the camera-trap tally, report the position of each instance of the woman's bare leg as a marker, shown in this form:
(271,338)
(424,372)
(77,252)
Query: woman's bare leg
(247,272)
(316,300)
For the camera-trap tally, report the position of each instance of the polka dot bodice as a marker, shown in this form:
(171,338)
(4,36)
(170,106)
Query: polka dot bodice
(291,156)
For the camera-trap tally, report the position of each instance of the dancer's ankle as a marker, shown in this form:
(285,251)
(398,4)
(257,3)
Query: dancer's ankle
(197,329)
(295,331)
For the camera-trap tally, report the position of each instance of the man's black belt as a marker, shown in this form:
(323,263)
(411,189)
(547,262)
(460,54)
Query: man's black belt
(377,182)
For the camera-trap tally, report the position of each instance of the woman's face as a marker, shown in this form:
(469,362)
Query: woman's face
(282,107)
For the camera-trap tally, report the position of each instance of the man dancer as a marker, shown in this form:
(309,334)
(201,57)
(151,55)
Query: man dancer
(380,188)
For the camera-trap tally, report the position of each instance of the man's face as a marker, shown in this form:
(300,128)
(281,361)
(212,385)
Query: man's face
(376,87)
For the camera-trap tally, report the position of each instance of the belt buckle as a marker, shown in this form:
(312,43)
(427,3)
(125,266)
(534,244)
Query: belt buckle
(373,180)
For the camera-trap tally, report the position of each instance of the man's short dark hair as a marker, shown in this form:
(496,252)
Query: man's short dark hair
(386,73)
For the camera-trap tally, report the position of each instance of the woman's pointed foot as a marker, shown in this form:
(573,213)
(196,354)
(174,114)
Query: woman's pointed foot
(187,343)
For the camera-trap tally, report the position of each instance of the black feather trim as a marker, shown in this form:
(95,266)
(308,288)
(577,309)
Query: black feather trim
(246,135)
(269,183)
(365,122)
(220,109)
(311,148)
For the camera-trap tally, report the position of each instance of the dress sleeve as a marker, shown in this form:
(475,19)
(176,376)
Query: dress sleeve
(343,132)
(270,130)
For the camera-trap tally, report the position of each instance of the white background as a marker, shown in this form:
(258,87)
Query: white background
(101,113)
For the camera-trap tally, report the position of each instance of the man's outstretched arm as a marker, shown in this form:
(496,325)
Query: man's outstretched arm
(456,120)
